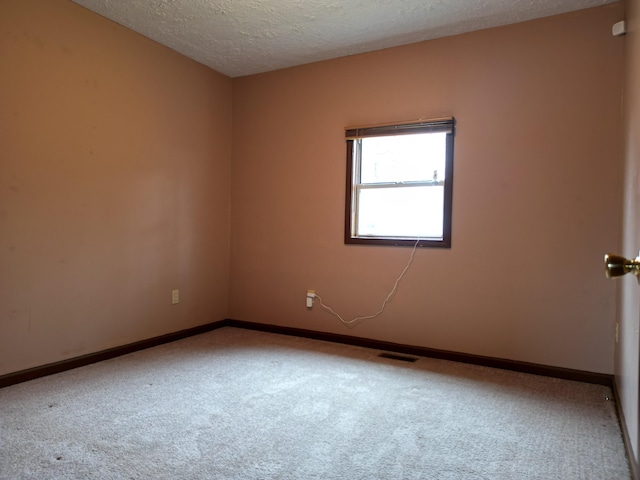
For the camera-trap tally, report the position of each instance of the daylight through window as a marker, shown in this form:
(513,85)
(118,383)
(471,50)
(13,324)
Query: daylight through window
(399,184)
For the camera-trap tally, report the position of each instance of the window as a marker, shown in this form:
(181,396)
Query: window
(400,184)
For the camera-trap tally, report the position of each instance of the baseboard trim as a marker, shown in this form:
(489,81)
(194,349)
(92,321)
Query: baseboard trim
(513,365)
(81,361)
(633,463)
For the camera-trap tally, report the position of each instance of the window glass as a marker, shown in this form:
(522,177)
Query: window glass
(400,212)
(403,158)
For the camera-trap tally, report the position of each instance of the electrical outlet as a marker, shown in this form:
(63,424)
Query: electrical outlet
(175,296)
(311,295)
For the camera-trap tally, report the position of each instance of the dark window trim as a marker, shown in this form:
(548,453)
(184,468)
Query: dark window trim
(447,124)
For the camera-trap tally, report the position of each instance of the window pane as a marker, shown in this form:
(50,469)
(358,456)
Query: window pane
(401,212)
(403,158)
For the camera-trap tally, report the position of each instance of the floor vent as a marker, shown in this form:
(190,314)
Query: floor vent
(395,356)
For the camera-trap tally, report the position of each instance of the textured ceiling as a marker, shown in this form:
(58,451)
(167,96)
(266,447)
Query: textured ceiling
(243,37)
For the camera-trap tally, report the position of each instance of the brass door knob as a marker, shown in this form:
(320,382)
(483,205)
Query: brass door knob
(616,266)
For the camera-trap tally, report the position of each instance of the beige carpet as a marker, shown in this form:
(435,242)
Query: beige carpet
(240,404)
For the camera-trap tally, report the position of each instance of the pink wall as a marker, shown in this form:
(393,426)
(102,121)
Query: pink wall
(115,181)
(627,356)
(536,197)
(114,186)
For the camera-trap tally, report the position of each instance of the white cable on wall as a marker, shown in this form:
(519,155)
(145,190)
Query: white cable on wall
(355,321)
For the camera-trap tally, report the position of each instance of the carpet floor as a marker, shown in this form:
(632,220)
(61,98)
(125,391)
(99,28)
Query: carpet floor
(242,404)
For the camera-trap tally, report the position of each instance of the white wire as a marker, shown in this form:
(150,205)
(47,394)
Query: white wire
(353,322)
